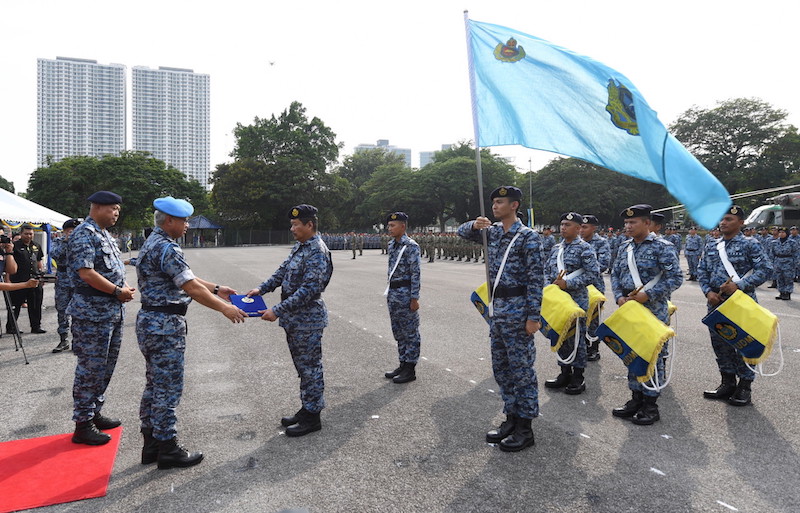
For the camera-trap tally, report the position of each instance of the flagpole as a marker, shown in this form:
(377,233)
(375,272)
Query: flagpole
(477,153)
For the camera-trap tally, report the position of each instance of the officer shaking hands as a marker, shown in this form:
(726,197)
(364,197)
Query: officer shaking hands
(167,286)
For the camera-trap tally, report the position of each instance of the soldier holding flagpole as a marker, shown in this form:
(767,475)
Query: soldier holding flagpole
(515,280)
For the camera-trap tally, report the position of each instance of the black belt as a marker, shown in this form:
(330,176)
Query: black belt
(502,292)
(284,295)
(399,284)
(91,291)
(170,309)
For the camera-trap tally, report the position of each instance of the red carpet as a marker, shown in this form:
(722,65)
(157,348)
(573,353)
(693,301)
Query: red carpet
(53,470)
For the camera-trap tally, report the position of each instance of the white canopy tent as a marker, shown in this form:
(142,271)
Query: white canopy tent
(17,209)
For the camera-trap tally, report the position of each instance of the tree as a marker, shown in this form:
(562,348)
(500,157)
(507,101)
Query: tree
(355,172)
(731,138)
(136,176)
(280,161)
(569,184)
(5,184)
(450,182)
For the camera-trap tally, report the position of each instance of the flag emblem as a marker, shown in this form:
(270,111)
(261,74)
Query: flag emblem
(620,107)
(726,331)
(509,52)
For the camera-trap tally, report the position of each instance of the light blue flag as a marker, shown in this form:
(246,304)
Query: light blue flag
(530,92)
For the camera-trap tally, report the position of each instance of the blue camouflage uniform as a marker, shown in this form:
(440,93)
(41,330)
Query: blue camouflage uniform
(161,330)
(404,287)
(302,313)
(602,249)
(784,258)
(578,255)
(675,239)
(652,255)
(97,317)
(513,351)
(745,254)
(63,288)
(796,239)
(548,241)
(693,247)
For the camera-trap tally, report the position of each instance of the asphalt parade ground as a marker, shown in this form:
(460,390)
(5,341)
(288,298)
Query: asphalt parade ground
(417,447)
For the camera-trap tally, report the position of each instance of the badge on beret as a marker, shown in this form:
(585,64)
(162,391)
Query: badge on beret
(569,216)
(295,212)
(629,213)
(502,191)
(733,210)
(394,216)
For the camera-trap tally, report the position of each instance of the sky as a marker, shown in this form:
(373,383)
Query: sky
(378,70)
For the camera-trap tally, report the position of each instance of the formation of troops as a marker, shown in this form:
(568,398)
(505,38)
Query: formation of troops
(643,266)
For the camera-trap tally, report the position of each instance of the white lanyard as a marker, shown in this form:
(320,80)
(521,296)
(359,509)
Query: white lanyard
(396,263)
(723,255)
(500,271)
(560,264)
(637,280)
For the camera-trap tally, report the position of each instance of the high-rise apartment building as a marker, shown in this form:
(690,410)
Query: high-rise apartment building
(80,108)
(171,118)
(384,145)
(426,157)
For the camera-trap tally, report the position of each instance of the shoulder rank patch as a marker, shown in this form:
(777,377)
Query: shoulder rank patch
(620,107)
(509,52)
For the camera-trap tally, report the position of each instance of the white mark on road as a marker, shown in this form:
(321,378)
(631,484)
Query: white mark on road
(473,382)
(172,488)
(727,506)
(423,357)
(490,390)
(585,435)
(656,471)
(376,416)
(448,370)
(666,437)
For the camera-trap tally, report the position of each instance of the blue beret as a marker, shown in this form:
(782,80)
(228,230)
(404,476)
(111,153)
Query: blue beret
(105,198)
(303,212)
(590,219)
(737,211)
(71,223)
(397,216)
(641,210)
(573,217)
(506,191)
(174,207)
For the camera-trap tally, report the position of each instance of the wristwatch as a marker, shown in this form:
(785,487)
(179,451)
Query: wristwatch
(117,291)
(216,289)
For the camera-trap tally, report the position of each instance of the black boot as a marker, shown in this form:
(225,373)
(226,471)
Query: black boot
(576,382)
(496,436)
(774,285)
(561,380)
(520,438)
(725,389)
(307,422)
(648,413)
(391,374)
(630,408)
(407,373)
(150,447)
(87,433)
(593,351)
(788,297)
(741,397)
(292,420)
(780,295)
(63,345)
(104,423)
(171,455)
